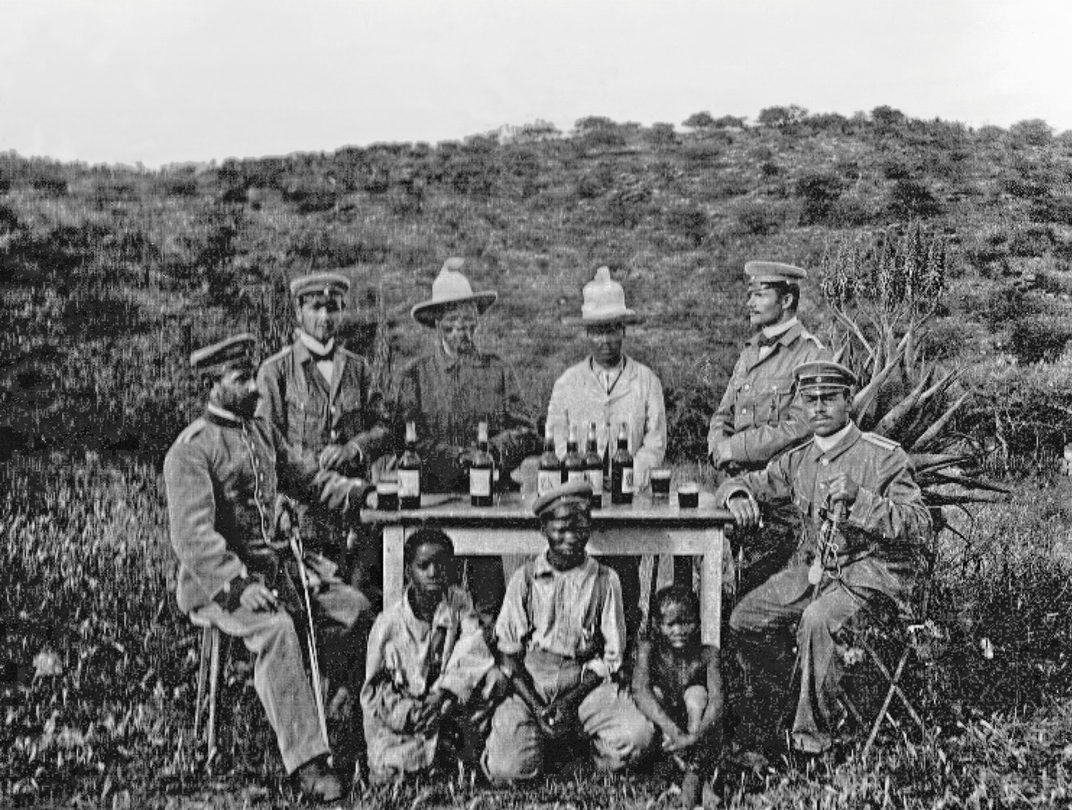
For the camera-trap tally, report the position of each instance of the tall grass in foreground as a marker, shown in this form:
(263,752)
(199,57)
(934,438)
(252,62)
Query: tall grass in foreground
(100,669)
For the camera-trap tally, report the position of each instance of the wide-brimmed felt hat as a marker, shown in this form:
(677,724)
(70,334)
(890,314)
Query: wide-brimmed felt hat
(450,288)
(604,302)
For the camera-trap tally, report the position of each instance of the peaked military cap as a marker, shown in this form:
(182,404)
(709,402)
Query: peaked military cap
(823,374)
(573,491)
(326,284)
(235,349)
(774,273)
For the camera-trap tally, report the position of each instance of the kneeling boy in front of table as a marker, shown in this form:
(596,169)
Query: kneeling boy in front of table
(429,672)
(560,634)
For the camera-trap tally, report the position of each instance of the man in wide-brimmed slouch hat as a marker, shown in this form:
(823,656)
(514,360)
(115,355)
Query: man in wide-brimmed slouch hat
(447,392)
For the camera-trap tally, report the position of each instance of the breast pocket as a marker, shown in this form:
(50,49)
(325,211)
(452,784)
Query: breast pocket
(778,399)
(297,416)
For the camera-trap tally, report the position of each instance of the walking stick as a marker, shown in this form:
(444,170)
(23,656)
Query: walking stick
(298,549)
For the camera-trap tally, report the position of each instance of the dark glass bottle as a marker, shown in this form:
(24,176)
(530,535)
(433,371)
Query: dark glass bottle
(573,464)
(481,470)
(409,471)
(549,474)
(621,469)
(593,465)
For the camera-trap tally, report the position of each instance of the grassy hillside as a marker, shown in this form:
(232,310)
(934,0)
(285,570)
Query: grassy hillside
(99,265)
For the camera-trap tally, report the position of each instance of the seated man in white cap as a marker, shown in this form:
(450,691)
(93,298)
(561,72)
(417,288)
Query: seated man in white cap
(222,475)
(322,399)
(447,392)
(759,417)
(561,638)
(609,387)
(845,567)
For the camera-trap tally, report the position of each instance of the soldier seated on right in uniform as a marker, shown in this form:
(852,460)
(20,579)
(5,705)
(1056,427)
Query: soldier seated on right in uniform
(844,568)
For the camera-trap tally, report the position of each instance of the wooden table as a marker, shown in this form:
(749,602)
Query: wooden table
(510,528)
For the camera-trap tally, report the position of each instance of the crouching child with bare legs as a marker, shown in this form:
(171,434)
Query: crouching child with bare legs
(560,635)
(677,684)
(430,676)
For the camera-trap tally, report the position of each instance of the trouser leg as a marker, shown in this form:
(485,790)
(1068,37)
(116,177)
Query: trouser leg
(820,666)
(279,678)
(619,732)
(761,626)
(514,749)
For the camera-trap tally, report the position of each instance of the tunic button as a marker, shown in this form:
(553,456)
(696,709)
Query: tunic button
(825,462)
(747,386)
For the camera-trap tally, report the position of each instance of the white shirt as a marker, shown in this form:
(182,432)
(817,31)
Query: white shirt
(318,349)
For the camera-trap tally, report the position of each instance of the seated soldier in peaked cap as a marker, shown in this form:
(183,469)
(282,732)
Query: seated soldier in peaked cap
(222,475)
(844,564)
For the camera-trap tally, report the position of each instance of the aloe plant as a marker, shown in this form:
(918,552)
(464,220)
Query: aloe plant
(884,290)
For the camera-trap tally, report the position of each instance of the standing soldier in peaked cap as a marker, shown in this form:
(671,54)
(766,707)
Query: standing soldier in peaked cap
(222,476)
(864,525)
(447,392)
(758,417)
(321,398)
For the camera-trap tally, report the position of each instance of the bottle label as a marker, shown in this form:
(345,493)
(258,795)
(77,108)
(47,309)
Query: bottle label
(576,475)
(409,483)
(627,480)
(595,478)
(480,482)
(547,480)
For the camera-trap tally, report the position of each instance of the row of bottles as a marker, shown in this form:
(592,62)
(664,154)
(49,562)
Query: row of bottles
(616,468)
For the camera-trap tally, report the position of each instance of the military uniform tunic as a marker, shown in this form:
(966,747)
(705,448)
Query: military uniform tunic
(879,544)
(222,475)
(758,416)
(312,414)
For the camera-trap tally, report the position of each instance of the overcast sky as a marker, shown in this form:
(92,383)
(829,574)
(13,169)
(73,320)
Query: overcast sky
(172,80)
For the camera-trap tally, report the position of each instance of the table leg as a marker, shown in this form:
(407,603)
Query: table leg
(711,587)
(394,538)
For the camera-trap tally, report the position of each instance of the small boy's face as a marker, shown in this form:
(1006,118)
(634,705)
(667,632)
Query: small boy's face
(430,568)
(678,625)
(567,531)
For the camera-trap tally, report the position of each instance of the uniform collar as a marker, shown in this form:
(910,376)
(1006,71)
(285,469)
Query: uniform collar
(314,348)
(221,416)
(784,332)
(542,568)
(839,442)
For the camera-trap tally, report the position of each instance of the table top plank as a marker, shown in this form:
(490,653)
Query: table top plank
(515,510)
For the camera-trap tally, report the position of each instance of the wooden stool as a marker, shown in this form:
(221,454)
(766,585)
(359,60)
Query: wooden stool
(208,675)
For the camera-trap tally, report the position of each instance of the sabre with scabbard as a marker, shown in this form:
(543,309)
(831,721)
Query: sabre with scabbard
(297,548)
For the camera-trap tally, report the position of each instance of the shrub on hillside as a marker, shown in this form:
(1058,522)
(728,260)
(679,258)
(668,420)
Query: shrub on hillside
(1039,338)
(757,218)
(819,191)
(1027,409)
(912,199)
